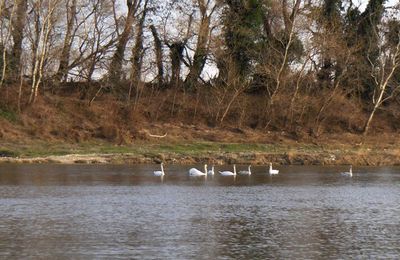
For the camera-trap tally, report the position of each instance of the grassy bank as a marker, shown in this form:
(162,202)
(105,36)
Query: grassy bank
(199,152)
(42,149)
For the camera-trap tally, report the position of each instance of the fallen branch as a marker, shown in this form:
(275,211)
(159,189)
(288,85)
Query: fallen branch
(156,136)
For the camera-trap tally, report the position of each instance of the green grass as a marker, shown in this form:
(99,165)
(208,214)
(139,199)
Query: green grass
(196,148)
(8,115)
(40,149)
(207,147)
(8,153)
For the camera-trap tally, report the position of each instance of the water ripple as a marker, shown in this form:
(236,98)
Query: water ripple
(107,212)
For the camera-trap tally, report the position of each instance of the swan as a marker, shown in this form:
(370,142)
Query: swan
(248,172)
(211,172)
(159,173)
(229,173)
(272,171)
(349,173)
(195,172)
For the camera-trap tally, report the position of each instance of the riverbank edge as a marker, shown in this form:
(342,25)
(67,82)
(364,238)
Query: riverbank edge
(361,158)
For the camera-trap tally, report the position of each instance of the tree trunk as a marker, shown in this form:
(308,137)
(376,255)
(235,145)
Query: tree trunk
(115,70)
(36,39)
(3,48)
(159,56)
(176,49)
(368,123)
(200,54)
(137,52)
(176,53)
(18,25)
(65,53)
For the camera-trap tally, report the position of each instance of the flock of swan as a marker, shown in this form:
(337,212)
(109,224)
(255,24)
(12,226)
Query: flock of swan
(197,173)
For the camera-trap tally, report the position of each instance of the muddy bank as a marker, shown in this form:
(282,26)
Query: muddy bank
(389,158)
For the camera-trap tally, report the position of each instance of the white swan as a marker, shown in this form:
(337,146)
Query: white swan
(159,173)
(349,173)
(272,171)
(229,173)
(248,172)
(211,172)
(195,172)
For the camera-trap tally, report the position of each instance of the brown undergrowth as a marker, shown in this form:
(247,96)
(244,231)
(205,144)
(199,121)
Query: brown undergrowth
(75,114)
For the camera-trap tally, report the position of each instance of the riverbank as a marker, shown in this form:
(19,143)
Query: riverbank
(66,129)
(202,152)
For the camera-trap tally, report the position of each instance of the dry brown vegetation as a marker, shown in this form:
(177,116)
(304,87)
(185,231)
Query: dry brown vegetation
(187,116)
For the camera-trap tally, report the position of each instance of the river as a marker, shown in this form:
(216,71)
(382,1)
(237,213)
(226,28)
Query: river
(51,211)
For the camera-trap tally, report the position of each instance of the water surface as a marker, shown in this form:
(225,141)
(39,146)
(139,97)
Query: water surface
(107,212)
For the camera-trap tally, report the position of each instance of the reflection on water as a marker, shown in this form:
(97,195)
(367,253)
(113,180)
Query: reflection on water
(91,211)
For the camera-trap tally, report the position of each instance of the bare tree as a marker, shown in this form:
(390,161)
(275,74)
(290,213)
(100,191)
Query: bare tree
(300,77)
(42,48)
(289,21)
(96,38)
(383,75)
(327,100)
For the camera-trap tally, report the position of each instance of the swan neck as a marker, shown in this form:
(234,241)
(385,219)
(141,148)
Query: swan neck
(162,168)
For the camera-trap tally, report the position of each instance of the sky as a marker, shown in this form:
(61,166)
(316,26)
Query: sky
(363,3)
